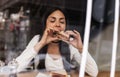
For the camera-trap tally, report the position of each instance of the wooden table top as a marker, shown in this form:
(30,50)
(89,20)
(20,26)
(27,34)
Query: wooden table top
(41,74)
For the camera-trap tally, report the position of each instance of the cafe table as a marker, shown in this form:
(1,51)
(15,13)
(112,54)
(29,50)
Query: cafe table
(42,74)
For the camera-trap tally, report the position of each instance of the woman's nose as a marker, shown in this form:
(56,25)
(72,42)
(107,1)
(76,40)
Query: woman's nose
(57,24)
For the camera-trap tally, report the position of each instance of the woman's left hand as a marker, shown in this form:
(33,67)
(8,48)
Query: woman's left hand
(75,40)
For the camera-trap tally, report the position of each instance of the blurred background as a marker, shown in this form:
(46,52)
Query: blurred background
(20,21)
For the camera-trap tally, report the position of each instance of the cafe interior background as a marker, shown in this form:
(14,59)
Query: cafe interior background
(20,21)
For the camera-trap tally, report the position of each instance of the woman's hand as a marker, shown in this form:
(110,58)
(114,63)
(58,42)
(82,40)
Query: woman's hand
(47,37)
(75,40)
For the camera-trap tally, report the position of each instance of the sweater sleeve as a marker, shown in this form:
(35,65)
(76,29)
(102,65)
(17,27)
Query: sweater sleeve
(27,55)
(91,66)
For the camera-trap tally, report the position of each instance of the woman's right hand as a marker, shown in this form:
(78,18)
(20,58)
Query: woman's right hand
(46,39)
(48,36)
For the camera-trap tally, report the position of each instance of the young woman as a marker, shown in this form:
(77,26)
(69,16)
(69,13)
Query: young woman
(56,46)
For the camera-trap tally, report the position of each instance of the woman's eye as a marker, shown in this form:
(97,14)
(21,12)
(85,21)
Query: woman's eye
(52,21)
(62,22)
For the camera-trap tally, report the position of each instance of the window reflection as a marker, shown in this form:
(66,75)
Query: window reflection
(20,21)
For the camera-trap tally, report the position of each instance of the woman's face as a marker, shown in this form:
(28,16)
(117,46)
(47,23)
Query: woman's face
(56,20)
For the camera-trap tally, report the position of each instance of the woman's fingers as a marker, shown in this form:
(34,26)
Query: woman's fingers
(72,34)
(67,36)
(76,32)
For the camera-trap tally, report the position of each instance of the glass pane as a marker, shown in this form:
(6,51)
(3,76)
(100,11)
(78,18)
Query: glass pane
(101,41)
(22,20)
